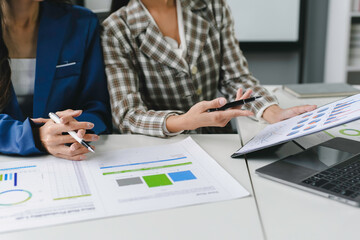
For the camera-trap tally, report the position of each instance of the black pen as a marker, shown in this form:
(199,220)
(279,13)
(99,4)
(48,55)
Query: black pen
(234,104)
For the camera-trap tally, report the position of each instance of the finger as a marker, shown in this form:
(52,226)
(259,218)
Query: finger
(294,111)
(73,158)
(70,152)
(239,94)
(247,94)
(309,108)
(72,126)
(79,151)
(69,113)
(91,137)
(81,133)
(68,118)
(63,139)
(40,120)
(302,109)
(75,146)
(206,105)
(220,119)
(232,113)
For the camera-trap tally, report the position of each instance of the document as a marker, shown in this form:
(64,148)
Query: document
(47,191)
(325,117)
(349,131)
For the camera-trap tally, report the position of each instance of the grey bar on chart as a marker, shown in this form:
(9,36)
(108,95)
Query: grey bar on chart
(129,181)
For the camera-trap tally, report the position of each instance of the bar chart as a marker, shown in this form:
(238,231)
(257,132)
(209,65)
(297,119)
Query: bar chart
(9,177)
(156,173)
(13,184)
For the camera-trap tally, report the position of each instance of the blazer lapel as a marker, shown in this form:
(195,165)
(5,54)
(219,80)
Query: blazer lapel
(158,49)
(152,41)
(53,25)
(196,29)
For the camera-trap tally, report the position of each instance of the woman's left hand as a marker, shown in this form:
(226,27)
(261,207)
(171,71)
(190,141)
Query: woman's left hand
(52,138)
(275,113)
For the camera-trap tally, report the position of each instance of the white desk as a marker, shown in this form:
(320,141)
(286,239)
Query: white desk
(288,213)
(223,220)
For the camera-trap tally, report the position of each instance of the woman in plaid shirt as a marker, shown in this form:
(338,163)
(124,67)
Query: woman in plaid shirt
(165,61)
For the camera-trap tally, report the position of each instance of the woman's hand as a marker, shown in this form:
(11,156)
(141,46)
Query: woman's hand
(53,140)
(198,116)
(275,114)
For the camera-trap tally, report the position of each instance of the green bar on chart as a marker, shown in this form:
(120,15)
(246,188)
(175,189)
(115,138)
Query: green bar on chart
(157,180)
(1,176)
(63,198)
(149,168)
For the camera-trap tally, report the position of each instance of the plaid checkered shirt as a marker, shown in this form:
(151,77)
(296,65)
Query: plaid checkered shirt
(148,81)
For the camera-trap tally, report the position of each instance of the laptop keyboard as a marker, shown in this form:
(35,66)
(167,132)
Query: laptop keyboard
(343,179)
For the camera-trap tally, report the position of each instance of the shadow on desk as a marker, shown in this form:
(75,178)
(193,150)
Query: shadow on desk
(274,153)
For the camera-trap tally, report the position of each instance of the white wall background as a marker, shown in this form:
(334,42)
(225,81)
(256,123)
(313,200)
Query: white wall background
(98,5)
(266,20)
(255,20)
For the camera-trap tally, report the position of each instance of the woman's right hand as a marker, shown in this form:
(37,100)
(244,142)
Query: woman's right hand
(198,116)
(53,140)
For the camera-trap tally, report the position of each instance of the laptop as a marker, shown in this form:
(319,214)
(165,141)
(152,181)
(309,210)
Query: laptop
(330,169)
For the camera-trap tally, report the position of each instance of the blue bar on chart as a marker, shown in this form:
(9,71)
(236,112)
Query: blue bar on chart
(182,176)
(142,163)
(10,177)
(15,179)
(16,168)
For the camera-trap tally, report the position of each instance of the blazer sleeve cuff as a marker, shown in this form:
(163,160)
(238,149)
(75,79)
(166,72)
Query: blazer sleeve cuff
(25,140)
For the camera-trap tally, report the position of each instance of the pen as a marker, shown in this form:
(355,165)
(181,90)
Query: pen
(56,119)
(234,104)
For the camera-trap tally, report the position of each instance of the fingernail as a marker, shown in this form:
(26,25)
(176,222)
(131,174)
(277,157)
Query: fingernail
(222,101)
(82,157)
(91,125)
(94,138)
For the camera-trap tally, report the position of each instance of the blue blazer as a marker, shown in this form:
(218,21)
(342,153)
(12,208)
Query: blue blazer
(69,75)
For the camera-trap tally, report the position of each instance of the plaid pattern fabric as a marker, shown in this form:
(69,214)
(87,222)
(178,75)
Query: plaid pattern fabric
(148,81)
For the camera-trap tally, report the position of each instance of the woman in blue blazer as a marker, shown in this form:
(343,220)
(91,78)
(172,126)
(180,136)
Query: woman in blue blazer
(53,48)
